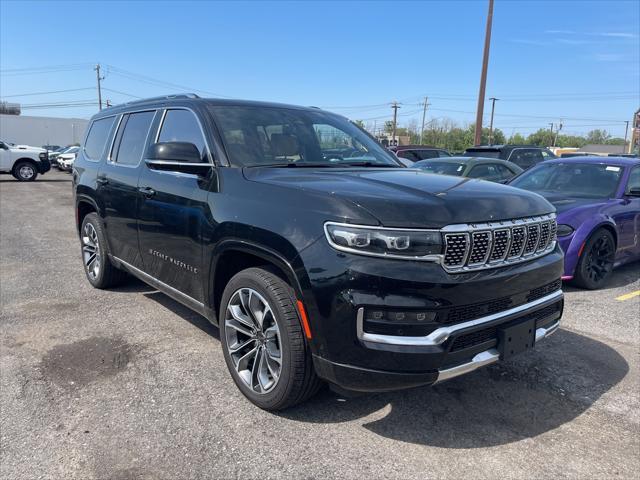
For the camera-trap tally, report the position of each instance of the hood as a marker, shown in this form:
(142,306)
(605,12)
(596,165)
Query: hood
(410,198)
(67,156)
(27,148)
(574,210)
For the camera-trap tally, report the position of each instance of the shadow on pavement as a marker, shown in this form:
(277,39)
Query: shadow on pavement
(621,277)
(503,403)
(13,180)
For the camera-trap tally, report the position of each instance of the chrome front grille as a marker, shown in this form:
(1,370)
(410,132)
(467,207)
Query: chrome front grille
(474,247)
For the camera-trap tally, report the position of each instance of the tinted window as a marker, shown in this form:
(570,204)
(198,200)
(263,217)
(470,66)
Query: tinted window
(255,136)
(133,137)
(525,158)
(487,171)
(572,179)
(409,155)
(505,172)
(547,155)
(441,168)
(425,154)
(182,126)
(478,152)
(97,138)
(634,179)
(444,153)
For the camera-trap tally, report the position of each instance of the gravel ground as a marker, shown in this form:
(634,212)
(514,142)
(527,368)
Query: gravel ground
(128,384)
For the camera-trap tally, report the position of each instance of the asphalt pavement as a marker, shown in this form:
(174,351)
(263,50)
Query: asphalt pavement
(128,384)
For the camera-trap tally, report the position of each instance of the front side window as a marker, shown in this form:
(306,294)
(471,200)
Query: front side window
(132,137)
(634,179)
(441,168)
(265,136)
(581,180)
(182,126)
(486,171)
(97,137)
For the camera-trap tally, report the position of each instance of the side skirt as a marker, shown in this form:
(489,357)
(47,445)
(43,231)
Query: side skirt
(177,295)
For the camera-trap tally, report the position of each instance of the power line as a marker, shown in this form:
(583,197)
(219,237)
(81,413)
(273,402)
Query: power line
(46,93)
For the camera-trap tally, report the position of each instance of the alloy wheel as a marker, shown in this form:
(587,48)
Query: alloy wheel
(26,172)
(91,251)
(600,259)
(253,340)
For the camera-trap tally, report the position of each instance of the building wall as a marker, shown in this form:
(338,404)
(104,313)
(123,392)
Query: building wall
(38,131)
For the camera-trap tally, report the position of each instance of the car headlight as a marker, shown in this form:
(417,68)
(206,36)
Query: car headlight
(564,230)
(384,242)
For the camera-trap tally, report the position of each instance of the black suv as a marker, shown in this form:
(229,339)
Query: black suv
(525,156)
(315,265)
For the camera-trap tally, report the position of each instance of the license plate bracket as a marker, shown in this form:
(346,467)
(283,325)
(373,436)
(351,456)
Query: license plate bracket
(516,338)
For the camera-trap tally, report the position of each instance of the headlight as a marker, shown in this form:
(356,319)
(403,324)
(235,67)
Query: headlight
(384,242)
(564,230)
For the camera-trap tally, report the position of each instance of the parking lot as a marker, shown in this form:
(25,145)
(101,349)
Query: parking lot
(128,384)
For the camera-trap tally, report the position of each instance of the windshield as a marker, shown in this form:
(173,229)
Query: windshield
(265,136)
(572,179)
(442,168)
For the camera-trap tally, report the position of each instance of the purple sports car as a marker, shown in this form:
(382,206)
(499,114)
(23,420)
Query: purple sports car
(598,207)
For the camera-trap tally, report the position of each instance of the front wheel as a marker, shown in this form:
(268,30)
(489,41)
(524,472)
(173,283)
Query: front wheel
(263,342)
(25,172)
(596,263)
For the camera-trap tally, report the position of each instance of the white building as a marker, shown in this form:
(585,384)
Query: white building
(38,131)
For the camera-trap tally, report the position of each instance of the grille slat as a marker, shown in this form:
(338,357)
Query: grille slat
(471,247)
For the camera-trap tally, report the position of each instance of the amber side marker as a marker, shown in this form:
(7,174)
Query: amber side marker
(305,320)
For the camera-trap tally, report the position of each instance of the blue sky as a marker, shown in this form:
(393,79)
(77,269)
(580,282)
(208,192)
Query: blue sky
(578,61)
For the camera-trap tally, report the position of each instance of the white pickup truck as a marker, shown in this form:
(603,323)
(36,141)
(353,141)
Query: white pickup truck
(23,162)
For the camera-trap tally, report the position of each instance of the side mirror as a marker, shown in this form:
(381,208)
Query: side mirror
(182,152)
(182,157)
(634,192)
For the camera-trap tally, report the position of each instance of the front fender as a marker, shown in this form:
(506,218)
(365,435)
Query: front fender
(573,244)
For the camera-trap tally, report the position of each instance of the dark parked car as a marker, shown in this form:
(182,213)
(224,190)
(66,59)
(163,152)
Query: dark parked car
(491,169)
(598,205)
(314,265)
(408,154)
(525,156)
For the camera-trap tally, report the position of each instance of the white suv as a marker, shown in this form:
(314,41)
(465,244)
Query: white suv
(23,162)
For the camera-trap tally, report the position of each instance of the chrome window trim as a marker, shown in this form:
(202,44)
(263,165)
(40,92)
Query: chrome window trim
(110,159)
(204,137)
(442,334)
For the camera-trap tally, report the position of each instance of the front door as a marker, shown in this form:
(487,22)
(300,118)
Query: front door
(5,158)
(117,185)
(172,211)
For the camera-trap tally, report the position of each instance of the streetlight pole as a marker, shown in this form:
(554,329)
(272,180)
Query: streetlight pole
(493,107)
(483,75)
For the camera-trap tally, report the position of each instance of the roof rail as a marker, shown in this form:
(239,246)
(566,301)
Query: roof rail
(162,97)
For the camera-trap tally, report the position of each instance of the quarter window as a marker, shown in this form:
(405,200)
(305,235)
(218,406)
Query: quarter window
(133,137)
(182,126)
(97,138)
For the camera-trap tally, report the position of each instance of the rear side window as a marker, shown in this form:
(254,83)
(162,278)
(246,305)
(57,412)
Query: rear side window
(409,155)
(182,126)
(132,137)
(97,138)
(525,158)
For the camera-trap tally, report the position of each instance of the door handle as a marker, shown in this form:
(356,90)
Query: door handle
(147,191)
(102,181)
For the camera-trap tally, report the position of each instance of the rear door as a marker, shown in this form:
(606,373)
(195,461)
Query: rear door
(173,209)
(117,185)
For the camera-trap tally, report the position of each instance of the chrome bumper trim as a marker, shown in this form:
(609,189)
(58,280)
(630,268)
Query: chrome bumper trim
(487,357)
(440,335)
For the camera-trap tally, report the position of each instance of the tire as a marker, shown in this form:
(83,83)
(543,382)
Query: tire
(278,335)
(95,258)
(25,171)
(596,262)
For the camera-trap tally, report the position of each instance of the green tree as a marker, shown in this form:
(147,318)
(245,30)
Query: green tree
(517,139)
(541,138)
(598,136)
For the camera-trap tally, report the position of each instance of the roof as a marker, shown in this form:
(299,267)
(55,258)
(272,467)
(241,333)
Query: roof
(418,147)
(192,99)
(500,147)
(466,160)
(616,161)
(597,148)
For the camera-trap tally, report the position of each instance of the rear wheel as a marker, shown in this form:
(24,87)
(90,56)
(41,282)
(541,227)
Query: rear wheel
(596,263)
(97,266)
(25,171)
(263,342)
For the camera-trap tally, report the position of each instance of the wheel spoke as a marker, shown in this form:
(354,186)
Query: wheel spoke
(255,370)
(241,345)
(90,260)
(239,327)
(243,362)
(236,313)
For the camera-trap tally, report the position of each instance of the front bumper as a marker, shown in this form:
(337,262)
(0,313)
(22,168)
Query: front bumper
(44,166)
(454,363)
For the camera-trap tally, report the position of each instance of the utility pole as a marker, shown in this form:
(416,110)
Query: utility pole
(424,114)
(555,138)
(626,132)
(483,75)
(493,107)
(395,107)
(99,78)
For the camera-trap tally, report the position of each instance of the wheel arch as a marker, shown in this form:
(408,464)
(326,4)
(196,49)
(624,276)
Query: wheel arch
(233,256)
(24,159)
(84,206)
